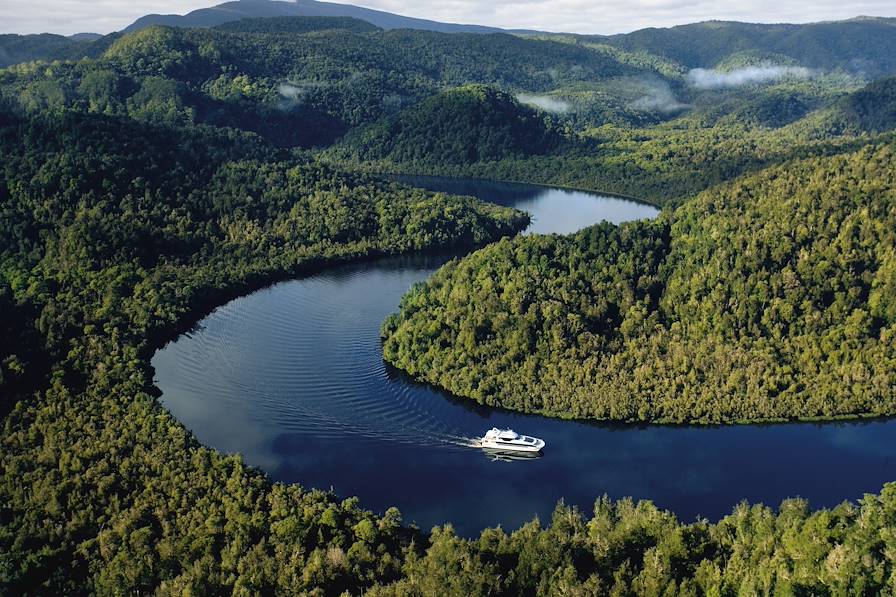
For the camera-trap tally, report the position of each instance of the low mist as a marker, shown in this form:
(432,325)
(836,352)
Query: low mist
(290,95)
(702,78)
(289,91)
(659,97)
(545,102)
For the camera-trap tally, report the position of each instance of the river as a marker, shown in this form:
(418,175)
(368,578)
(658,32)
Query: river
(292,377)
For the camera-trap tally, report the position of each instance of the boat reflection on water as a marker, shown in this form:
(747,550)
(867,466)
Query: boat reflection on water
(508,456)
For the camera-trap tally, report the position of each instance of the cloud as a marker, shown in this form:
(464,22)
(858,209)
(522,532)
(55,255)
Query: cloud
(544,102)
(579,16)
(290,91)
(290,95)
(702,78)
(658,98)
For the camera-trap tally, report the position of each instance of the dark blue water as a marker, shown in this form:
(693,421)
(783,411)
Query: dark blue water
(292,377)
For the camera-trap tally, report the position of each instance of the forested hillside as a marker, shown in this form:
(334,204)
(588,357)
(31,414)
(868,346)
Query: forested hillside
(15,49)
(117,233)
(235,10)
(292,25)
(147,177)
(465,125)
(828,45)
(295,89)
(872,109)
(753,301)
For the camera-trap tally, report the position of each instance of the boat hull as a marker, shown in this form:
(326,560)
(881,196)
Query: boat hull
(510,456)
(507,447)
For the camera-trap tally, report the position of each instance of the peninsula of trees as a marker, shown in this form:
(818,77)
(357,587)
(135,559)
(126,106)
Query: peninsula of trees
(770,298)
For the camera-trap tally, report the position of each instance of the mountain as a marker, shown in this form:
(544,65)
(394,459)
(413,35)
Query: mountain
(24,48)
(85,36)
(825,45)
(873,108)
(298,25)
(243,9)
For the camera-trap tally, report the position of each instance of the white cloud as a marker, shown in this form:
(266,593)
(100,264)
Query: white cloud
(581,16)
(658,97)
(544,102)
(702,78)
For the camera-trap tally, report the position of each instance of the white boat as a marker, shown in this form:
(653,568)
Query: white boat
(508,440)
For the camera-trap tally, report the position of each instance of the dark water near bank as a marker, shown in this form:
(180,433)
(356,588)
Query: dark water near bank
(292,377)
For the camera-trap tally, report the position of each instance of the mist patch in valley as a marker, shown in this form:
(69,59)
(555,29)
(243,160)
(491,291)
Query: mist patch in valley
(658,97)
(544,102)
(702,78)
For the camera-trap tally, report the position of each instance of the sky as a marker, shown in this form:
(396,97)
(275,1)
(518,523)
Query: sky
(577,16)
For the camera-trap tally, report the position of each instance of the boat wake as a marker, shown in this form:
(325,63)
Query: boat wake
(306,360)
(467,442)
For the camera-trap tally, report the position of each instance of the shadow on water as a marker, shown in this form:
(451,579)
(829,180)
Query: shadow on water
(398,376)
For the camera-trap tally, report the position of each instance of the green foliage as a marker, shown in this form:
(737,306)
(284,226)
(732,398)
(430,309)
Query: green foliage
(828,45)
(468,124)
(873,108)
(15,49)
(753,301)
(116,232)
(293,25)
(142,185)
(628,548)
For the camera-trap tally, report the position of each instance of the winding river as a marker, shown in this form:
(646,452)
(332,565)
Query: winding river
(292,377)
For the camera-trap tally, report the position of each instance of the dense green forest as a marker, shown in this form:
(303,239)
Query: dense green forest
(146,178)
(828,45)
(117,232)
(631,123)
(753,301)
(295,89)
(464,125)
(720,136)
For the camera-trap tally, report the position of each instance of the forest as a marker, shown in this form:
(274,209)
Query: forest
(117,232)
(753,301)
(148,177)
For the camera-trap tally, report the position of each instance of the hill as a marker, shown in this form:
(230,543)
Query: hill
(286,25)
(872,109)
(474,123)
(825,45)
(753,301)
(242,9)
(868,110)
(300,89)
(15,49)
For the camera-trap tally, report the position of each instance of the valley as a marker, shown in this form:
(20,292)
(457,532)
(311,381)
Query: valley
(221,267)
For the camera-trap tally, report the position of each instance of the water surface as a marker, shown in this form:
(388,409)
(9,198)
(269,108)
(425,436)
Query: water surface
(292,377)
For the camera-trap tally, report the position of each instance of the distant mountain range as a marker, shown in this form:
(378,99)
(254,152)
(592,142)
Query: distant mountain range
(863,45)
(85,36)
(242,9)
